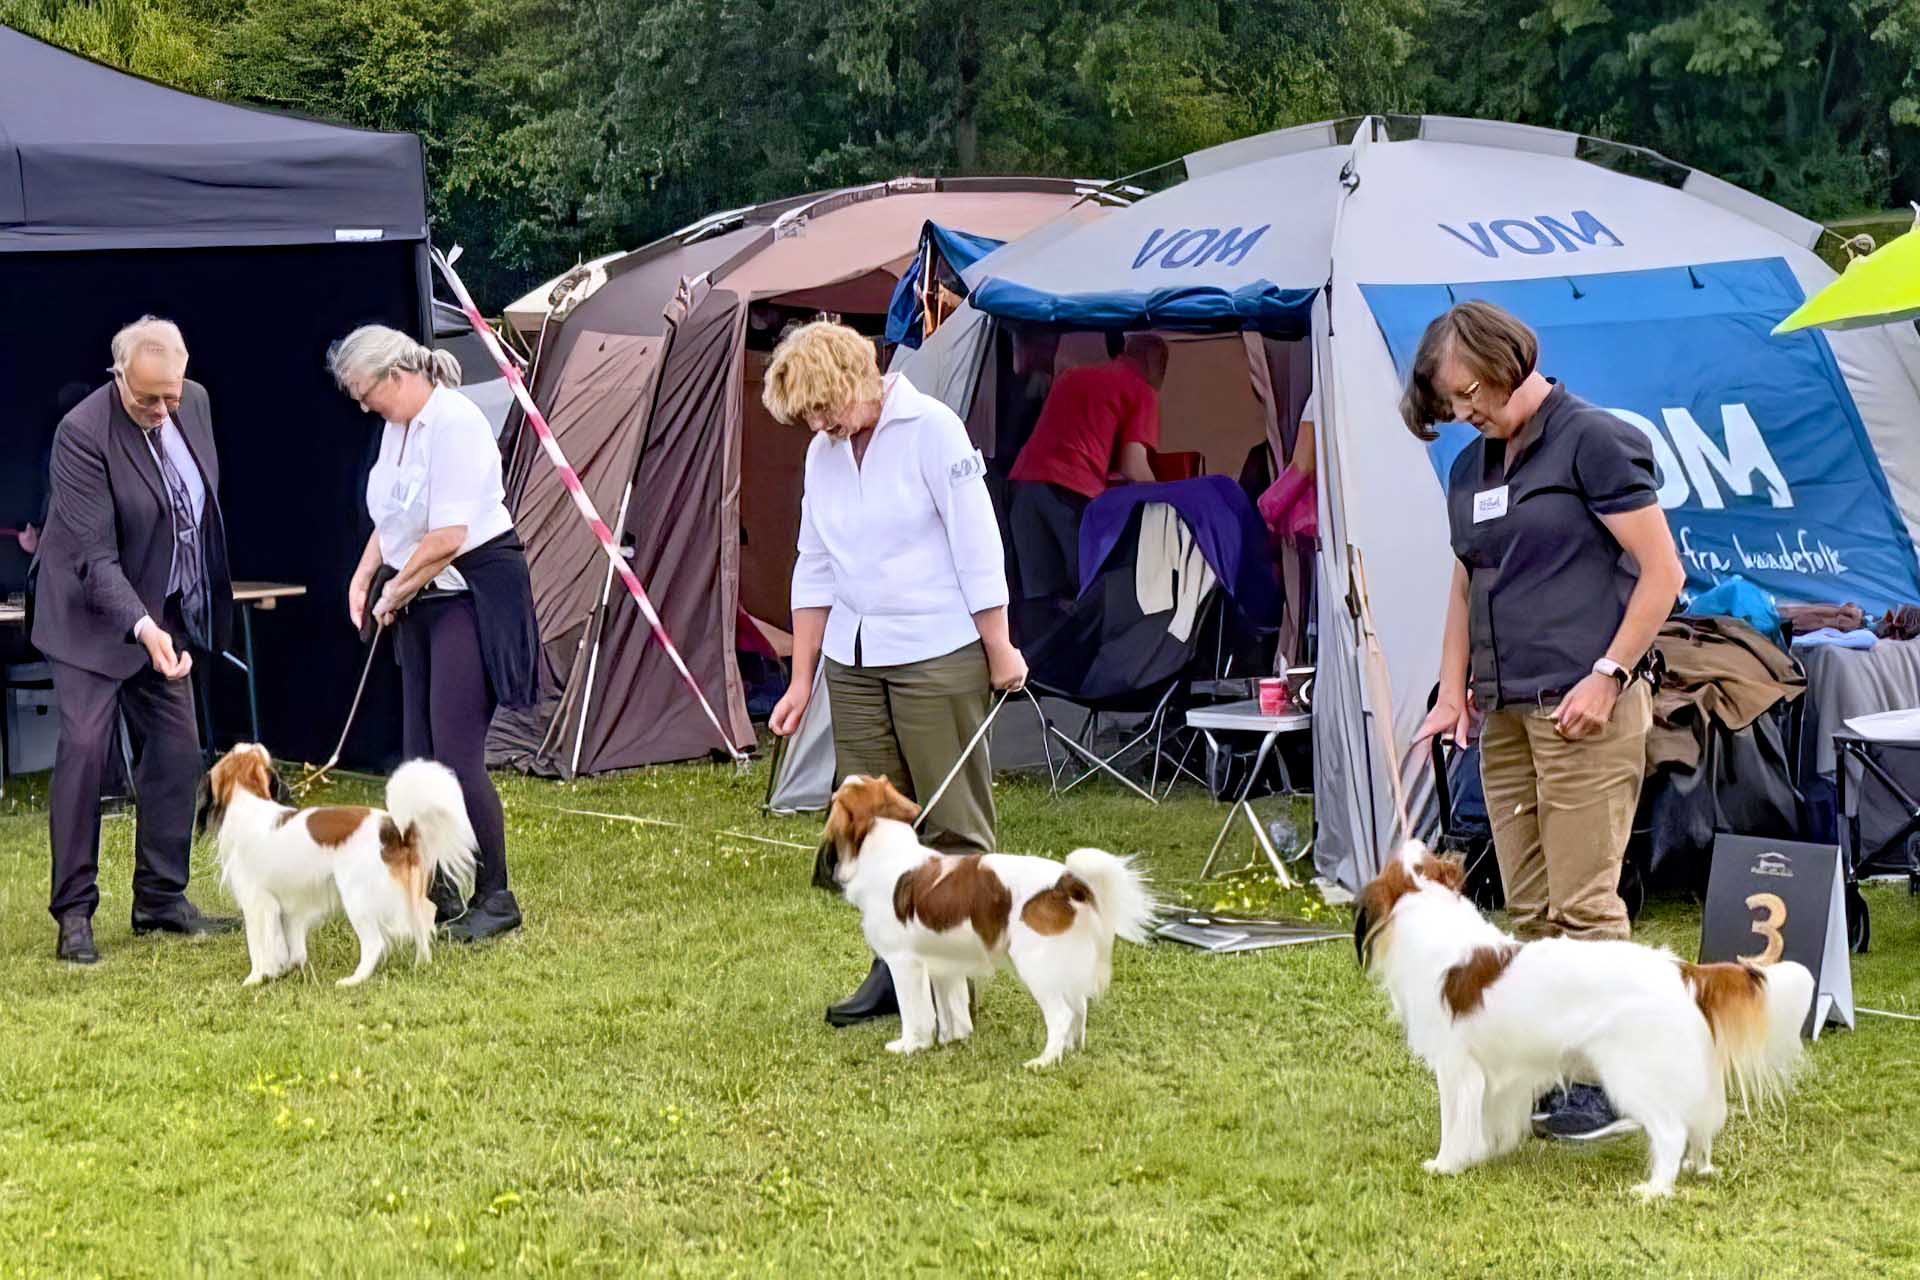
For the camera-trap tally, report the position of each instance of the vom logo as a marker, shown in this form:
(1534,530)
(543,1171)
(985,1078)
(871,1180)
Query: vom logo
(1197,246)
(1540,234)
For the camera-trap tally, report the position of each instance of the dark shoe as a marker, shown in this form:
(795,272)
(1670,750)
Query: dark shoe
(184,918)
(486,917)
(874,999)
(76,941)
(447,906)
(1548,1103)
(1585,1115)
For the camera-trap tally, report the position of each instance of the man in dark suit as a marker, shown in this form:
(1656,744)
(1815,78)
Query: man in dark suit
(131,576)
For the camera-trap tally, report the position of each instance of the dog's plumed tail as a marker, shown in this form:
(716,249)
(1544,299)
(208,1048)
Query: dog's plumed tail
(425,801)
(1755,1015)
(1120,893)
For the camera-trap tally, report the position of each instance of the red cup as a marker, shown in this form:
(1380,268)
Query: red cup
(1273,695)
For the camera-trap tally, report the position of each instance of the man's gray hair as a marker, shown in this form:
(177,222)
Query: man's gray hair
(147,334)
(373,351)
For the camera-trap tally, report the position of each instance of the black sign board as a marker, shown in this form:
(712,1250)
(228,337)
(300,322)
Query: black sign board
(1771,900)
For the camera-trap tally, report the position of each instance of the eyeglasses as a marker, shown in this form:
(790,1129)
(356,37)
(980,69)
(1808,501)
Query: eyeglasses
(1462,400)
(148,400)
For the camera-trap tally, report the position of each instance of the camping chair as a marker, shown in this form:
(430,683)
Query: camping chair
(1110,656)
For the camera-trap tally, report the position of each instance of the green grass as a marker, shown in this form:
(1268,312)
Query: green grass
(641,1084)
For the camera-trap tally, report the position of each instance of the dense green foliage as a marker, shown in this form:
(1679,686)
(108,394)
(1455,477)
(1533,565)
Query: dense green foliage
(556,128)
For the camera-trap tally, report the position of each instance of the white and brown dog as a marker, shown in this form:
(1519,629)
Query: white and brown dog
(941,919)
(1499,1022)
(289,869)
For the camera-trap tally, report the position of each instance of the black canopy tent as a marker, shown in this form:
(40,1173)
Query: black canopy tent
(265,237)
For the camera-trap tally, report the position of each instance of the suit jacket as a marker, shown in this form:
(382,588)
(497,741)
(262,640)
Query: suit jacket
(107,550)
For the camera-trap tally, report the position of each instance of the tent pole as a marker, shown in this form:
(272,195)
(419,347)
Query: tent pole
(593,662)
(567,690)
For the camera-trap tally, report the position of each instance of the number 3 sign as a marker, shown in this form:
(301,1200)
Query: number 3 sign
(1770,900)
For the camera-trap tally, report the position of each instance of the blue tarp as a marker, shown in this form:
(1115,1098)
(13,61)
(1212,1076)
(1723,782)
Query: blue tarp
(1765,467)
(959,248)
(1258,305)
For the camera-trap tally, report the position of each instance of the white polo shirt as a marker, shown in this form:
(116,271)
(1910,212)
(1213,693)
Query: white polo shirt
(441,469)
(903,547)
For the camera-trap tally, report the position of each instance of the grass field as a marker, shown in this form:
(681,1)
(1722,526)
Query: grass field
(641,1083)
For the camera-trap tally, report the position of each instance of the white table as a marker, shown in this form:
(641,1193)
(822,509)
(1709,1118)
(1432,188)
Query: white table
(1246,717)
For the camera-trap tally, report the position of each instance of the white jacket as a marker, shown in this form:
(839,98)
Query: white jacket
(903,547)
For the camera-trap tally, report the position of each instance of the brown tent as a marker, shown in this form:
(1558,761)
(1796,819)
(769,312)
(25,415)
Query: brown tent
(652,387)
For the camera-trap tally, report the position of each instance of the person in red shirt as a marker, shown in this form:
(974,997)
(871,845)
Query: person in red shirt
(1098,420)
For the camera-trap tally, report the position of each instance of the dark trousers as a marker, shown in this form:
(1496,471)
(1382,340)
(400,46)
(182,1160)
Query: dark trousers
(166,769)
(446,706)
(909,723)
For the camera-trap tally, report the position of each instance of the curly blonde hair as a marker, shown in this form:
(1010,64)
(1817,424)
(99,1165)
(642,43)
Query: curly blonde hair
(819,371)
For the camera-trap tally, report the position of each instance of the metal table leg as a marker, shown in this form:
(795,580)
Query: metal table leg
(1240,801)
(253,694)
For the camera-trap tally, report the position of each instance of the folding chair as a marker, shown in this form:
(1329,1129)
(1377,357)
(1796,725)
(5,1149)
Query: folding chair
(1109,657)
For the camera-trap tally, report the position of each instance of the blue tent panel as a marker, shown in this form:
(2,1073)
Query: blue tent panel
(961,250)
(1764,467)
(1259,305)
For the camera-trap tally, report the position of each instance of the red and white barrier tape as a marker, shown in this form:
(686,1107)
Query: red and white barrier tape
(571,479)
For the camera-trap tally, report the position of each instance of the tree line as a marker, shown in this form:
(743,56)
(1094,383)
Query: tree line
(557,129)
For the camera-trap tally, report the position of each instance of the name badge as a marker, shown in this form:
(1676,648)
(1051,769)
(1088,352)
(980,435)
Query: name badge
(1489,504)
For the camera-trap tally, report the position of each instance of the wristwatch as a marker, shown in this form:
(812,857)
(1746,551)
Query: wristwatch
(1608,667)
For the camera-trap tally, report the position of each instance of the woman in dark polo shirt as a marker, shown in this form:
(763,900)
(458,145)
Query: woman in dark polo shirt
(1565,570)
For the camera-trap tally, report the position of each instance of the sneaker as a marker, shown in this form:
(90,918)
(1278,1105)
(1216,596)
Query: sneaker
(1547,1103)
(1585,1115)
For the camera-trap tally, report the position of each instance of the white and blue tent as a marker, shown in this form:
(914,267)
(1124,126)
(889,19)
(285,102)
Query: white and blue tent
(1794,461)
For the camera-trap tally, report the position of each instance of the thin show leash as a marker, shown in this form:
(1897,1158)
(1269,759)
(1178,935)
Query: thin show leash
(978,736)
(300,787)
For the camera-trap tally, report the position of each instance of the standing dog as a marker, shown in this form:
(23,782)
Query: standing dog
(1500,1022)
(290,869)
(940,919)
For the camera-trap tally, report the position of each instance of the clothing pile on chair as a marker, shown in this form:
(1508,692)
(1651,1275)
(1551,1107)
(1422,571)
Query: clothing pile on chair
(1718,756)
(1717,670)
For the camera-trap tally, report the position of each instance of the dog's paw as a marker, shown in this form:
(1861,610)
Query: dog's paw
(1441,1168)
(1042,1062)
(954,1036)
(254,979)
(904,1046)
(1699,1169)
(1651,1191)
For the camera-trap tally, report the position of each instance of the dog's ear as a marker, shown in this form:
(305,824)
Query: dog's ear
(894,804)
(205,812)
(825,861)
(1445,870)
(1373,910)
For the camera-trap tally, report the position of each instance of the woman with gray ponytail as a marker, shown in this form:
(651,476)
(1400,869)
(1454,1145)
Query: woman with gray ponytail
(455,593)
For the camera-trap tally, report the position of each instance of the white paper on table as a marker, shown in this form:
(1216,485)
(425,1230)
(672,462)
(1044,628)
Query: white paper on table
(1888,726)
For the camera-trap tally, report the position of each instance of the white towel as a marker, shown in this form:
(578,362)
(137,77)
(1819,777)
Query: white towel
(1169,571)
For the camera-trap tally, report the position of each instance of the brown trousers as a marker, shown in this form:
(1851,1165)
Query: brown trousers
(909,723)
(1562,811)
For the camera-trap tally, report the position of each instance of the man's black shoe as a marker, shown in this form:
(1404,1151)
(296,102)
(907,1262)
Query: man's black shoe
(1585,1115)
(76,941)
(874,999)
(1548,1103)
(184,918)
(487,917)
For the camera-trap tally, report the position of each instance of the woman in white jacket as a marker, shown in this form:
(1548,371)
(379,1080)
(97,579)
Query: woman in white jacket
(900,583)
